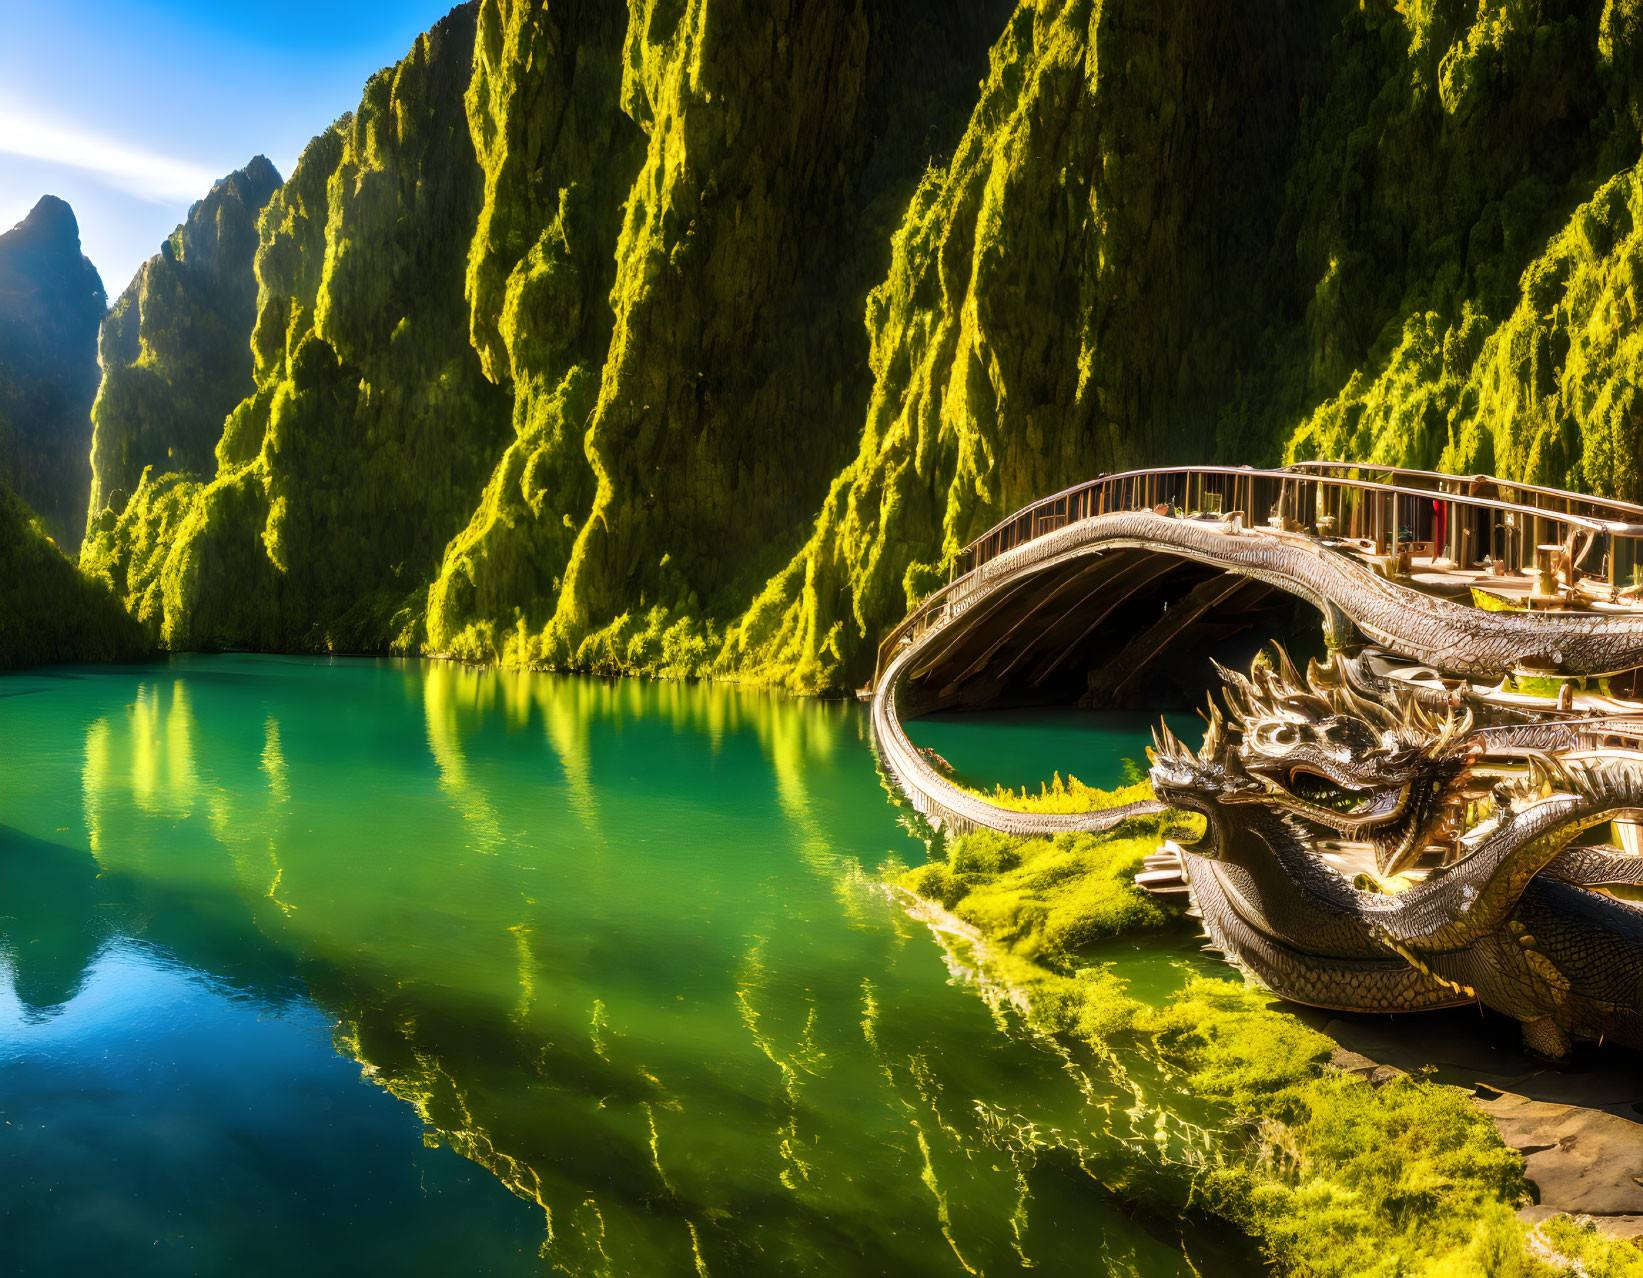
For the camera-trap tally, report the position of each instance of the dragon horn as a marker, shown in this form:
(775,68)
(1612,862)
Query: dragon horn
(1214,733)
(1548,776)
(1286,668)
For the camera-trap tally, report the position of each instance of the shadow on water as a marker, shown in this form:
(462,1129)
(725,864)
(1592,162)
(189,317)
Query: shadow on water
(173,1102)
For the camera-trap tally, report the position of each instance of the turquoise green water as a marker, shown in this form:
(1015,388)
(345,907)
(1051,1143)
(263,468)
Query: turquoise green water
(380,967)
(1026,748)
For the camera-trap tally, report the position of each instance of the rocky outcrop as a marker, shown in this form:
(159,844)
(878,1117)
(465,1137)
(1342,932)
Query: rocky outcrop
(364,443)
(728,178)
(51,301)
(175,347)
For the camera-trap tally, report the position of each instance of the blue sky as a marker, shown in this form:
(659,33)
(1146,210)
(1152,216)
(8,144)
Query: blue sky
(130,109)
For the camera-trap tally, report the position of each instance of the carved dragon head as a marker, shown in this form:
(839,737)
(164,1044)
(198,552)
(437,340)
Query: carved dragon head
(1313,748)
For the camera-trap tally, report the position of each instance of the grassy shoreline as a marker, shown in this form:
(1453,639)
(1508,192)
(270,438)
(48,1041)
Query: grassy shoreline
(1332,1175)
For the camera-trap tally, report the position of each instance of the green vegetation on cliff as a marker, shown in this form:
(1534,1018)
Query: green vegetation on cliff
(51,301)
(1403,233)
(558,157)
(1077,291)
(1482,251)
(364,443)
(675,438)
(175,347)
(650,238)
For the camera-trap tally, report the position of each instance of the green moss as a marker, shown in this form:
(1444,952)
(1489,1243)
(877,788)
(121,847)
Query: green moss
(1597,1256)
(669,273)
(127,550)
(558,156)
(363,446)
(1347,1179)
(1500,291)
(1056,304)
(1337,1178)
(1045,899)
(1069,795)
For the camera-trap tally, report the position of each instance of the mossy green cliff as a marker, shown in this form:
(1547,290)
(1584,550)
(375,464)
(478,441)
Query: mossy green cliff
(175,346)
(678,425)
(1489,259)
(1299,256)
(697,339)
(558,157)
(1079,290)
(362,448)
(50,611)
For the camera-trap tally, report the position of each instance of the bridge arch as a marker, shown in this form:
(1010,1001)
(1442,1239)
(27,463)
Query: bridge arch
(1078,597)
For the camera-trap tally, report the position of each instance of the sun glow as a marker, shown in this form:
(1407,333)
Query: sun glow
(134,169)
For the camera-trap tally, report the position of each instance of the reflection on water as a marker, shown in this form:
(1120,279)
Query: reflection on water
(161,1123)
(1016,748)
(618,944)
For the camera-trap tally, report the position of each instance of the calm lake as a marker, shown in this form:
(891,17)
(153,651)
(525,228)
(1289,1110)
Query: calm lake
(398,967)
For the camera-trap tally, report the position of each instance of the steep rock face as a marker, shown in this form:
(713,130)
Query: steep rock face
(175,347)
(1169,232)
(51,301)
(669,473)
(49,611)
(559,157)
(1477,269)
(364,445)
(1080,290)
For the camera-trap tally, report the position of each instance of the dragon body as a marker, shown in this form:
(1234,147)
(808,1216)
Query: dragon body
(1476,882)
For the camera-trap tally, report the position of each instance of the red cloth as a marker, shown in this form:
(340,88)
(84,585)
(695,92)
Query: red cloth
(1440,527)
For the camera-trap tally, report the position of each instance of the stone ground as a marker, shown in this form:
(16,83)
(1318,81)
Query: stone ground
(1578,1124)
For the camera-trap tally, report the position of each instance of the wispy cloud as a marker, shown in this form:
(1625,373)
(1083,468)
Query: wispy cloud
(133,169)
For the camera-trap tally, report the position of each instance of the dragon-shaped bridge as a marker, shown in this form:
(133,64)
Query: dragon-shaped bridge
(1437,582)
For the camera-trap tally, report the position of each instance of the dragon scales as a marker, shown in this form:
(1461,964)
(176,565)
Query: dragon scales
(1416,824)
(1365,852)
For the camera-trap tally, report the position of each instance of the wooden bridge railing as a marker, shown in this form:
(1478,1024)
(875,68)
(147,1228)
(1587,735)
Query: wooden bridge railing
(1466,519)
(1380,504)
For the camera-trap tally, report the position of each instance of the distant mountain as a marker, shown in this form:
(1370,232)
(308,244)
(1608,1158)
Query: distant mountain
(176,347)
(51,302)
(368,427)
